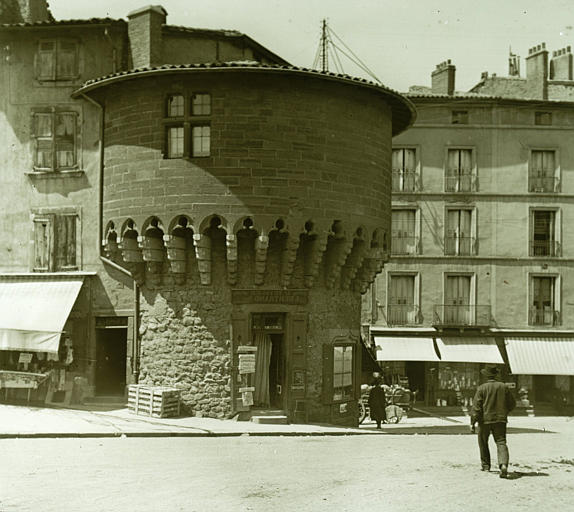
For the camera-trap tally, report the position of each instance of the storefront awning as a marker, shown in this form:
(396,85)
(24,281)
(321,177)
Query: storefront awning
(469,350)
(541,356)
(34,309)
(405,349)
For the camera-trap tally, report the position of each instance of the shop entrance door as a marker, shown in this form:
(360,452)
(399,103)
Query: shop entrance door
(111,351)
(269,378)
(543,388)
(415,371)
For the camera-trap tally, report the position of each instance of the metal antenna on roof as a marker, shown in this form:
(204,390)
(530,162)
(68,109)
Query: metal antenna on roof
(328,46)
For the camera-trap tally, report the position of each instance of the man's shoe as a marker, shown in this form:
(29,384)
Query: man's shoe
(485,468)
(503,471)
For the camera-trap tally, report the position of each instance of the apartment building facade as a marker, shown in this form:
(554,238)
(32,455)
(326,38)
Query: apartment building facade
(482,240)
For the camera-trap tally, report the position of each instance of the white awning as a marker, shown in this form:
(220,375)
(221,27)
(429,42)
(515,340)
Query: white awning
(34,309)
(405,349)
(469,350)
(541,356)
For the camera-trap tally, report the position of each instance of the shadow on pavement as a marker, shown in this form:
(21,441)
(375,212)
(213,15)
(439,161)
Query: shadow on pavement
(515,475)
(450,430)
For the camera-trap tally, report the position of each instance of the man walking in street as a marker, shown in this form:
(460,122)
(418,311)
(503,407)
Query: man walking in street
(492,403)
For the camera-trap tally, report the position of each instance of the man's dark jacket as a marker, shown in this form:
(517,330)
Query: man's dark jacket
(492,403)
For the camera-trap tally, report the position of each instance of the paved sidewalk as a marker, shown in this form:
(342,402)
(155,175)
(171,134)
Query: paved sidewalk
(24,421)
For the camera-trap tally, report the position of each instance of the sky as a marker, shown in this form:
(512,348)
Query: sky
(400,41)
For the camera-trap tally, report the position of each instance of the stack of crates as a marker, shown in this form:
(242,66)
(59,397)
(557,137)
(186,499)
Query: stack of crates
(156,401)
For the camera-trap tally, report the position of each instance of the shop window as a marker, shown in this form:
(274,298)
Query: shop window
(188,125)
(404,168)
(460,235)
(55,242)
(57,60)
(543,172)
(544,301)
(342,372)
(55,140)
(460,171)
(544,233)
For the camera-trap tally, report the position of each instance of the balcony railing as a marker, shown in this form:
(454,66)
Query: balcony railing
(545,248)
(461,183)
(543,184)
(402,314)
(402,245)
(457,315)
(460,246)
(543,316)
(405,181)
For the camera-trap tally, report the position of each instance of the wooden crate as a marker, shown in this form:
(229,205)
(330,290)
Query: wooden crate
(156,401)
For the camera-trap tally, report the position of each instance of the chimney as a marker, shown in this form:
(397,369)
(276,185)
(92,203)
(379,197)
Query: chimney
(442,78)
(561,64)
(537,72)
(145,35)
(23,11)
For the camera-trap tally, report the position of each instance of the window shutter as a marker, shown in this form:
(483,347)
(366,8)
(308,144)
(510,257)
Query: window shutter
(239,336)
(327,373)
(46,60)
(66,60)
(43,244)
(65,241)
(44,134)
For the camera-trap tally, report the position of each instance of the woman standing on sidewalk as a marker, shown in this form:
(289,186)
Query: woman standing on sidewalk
(378,402)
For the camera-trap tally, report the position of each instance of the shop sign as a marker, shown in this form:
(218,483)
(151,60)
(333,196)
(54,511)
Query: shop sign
(246,363)
(298,380)
(247,398)
(25,357)
(293,297)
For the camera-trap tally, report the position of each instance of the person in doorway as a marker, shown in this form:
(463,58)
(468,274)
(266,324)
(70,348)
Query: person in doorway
(378,402)
(492,403)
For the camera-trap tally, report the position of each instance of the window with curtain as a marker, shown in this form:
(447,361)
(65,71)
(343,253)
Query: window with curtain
(543,171)
(187,125)
(55,140)
(57,60)
(404,170)
(543,306)
(457,303)
(459,232)
(460,173)
(343,376)
(402,308)
(404,239)
(543,240)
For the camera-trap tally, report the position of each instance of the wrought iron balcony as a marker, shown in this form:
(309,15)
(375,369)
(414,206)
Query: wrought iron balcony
(403,314)
(543,316)
(461,183)
(459,315)
(545,248)
(405,181)
(543,183)
(403,245)
(460,246)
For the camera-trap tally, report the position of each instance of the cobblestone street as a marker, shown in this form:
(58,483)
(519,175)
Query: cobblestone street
(246,473)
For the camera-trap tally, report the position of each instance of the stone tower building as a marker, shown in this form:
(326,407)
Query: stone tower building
(243,207)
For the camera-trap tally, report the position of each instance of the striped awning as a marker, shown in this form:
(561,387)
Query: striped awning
(541,356)
(405,349)
(469,350)
(34,310)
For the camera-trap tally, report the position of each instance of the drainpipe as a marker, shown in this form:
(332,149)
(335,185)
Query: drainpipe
(135,334)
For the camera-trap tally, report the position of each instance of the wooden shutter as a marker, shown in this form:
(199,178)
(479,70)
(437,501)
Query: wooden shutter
(67,60)
(65,242)
(43,243)
(131,350)
(239,336)
(43,128)
(46,60)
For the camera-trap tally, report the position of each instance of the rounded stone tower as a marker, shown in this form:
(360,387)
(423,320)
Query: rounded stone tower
(252,205)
